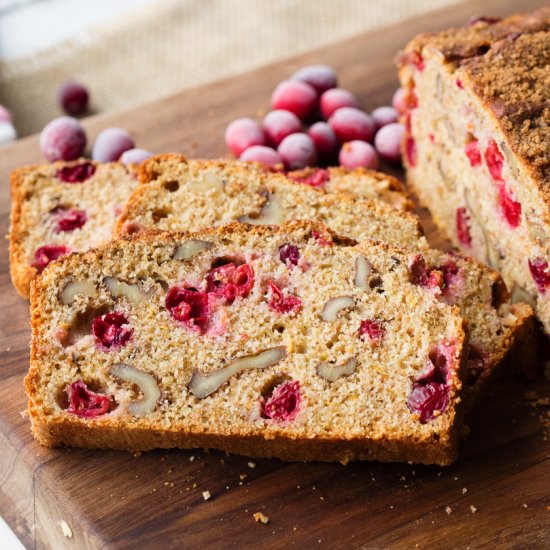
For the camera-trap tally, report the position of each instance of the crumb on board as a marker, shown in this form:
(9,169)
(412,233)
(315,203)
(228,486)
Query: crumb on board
(251,464)
(473,509)
(464,490)
(191,458)
(206,495)
(260,518)
(67,531)
(449,510)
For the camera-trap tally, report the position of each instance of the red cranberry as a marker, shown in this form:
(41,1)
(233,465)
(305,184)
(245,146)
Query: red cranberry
(358,154)
(463,231)
(284,402)
(279,124)
(243,133)
(73,98)
(511,209)
(388,141)
(335,99)
(46,254)
(84,402)
(289,254)
(410,144)
(415,59)
(321,239)
(540,273)
(280,303)
(62,139)
(110,144)
(297,151)
(325,140)
(383,116)
(110,331)
(351,124)
(372,329)
(229,281)
(190,307)
(317,177)
(476,364)
(69,219)
(76,173)
(459,83)
(494,160)
(266,156)
(320,77)
(473,153)
(295,96)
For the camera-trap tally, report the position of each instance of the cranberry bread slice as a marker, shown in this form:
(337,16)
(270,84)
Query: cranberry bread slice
(477,150)
(359,182)
(282,342)
(62,207)
(188,195)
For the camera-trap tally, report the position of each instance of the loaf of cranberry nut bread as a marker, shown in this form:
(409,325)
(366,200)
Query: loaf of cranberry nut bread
(477,148)
(62,207)
(282,342)
(181,195)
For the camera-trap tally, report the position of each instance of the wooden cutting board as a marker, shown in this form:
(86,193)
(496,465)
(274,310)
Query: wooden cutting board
(496,495)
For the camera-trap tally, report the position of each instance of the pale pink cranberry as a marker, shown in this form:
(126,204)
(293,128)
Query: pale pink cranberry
(399,101)
(76,173)
(314,177)
(510,208)
(494,160)
(281,303)
(413,58)
(110,144)
(111,330)
(69,219)
(371,329)
(266,156)
(351,124)
(134,156)
(295,96)
(289,254)
(243,133)
(190,307)
(388,142)
(540,273)
(5,115)
(463,231)
(62,139)
(473,153)
(73,98)
(325,140)
(46,254)
(86,403)
(453,280)
(409,143)
(383,116)
(230,281)
(335,99)
(358,154)
(7,133)
(284,402)
(320,77)
(297,151)
(279,124)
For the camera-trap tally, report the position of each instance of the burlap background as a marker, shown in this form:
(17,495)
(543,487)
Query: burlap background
(173,44)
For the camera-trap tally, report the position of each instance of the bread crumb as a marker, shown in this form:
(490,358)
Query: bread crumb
(67,531)
(243,477)
(473,509)
(251,464)
(464,490)
(449,510)
(524,505)
(206,495)
(191,458)
(260,518)
(137,454)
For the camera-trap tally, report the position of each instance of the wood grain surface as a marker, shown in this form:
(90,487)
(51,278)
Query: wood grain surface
(495,496)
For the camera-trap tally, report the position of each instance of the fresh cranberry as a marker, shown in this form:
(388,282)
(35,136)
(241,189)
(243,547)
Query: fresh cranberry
(372,329)
(335,99)
(463,227)
(62,139)
(284,402)
(278,124)
(73,98)
(46,254)
(84,402)
(289,254)
(69,219)
(383,116)
(320,77)
(295,96)
(511,209)
(351,124)
(321,239)
(243,133)
(540,273)
(317,177)
(473,153)
(476,364)
(494,160)
(388,141)
(110,144)
(229,281)
(109,330)
(325,141)
(268,157)
(77,173)
(190,307)
(358,154)
(298,151)
(482,18)
(399,100)
(280,303)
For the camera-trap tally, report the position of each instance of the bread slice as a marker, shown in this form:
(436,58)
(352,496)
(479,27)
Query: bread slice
(181,195)
(282,342)
(62,207)
(478,144)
